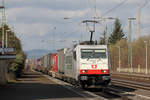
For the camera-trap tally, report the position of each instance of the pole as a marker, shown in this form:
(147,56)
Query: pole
(3,13)
(3,42)
(6,39)
(81,36)
(131,61)
(129,41)
(105,36)
(3,37)
(130,31)
(146,56)
(3,24)
(139,22)
(119,59)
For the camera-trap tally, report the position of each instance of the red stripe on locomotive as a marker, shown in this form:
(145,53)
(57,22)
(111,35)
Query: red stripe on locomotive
(105,71)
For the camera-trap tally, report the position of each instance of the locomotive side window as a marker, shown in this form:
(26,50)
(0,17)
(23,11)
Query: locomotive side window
(69,60)
(74,55)
(93,53)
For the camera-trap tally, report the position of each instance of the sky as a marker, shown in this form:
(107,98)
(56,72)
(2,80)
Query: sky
(40,24)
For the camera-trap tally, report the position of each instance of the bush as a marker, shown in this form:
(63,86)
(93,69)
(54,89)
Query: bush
(17,67)
(138,54)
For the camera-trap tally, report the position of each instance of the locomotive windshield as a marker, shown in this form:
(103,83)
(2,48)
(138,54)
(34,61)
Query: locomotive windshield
(93,53)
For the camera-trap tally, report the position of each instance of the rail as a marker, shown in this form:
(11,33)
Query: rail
(132,84)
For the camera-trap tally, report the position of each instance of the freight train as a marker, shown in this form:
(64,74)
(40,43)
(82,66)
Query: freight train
(86,65)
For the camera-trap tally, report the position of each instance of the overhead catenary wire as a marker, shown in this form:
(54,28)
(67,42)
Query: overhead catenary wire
(117,6)
(145,4)
(95,6)
(145,28)
(110,10)
(90,8)
(140,7)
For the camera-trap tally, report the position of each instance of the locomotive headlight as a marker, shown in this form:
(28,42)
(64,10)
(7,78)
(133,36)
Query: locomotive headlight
(84,71)
(103,71)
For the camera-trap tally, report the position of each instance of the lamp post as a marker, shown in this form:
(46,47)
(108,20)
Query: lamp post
(146,56)
(3,38)
(131,60)
(129,40)
(7,38)
(119,59)
(3,23)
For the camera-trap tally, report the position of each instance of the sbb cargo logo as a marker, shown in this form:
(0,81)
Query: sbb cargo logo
(94,66)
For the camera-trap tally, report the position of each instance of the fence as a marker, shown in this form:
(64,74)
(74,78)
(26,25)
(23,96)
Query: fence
(134,70)
(134,59)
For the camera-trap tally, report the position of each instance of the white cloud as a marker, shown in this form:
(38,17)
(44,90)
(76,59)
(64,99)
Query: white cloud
(36,18)
(32,29)
(42,13)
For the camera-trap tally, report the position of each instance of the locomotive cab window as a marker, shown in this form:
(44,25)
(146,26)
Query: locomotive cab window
(93,53)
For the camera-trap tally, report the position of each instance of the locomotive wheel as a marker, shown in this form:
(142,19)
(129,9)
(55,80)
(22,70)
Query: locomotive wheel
(53,75)
(83,85)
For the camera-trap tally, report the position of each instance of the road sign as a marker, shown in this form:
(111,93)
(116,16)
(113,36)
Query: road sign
(7,50)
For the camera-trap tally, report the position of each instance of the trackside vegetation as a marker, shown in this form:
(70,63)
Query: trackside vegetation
(16,66)
(132,55)
(138,55)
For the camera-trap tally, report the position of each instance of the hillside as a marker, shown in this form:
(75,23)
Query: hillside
(37,53)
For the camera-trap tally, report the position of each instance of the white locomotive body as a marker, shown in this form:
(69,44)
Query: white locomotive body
(88,65)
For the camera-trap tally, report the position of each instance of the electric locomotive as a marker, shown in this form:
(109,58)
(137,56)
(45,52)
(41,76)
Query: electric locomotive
(88,65)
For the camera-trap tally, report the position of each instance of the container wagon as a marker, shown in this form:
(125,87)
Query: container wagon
(54,68)
(86,65)
(41,64)
(61,62)
(38,64)
(45,63)
(48,68)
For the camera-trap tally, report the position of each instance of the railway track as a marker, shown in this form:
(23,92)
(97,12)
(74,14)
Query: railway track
(129,76)
(118,90)
(131,89)
(131,84)
(123,90)
(110,94)
(107,93)
(104,94)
